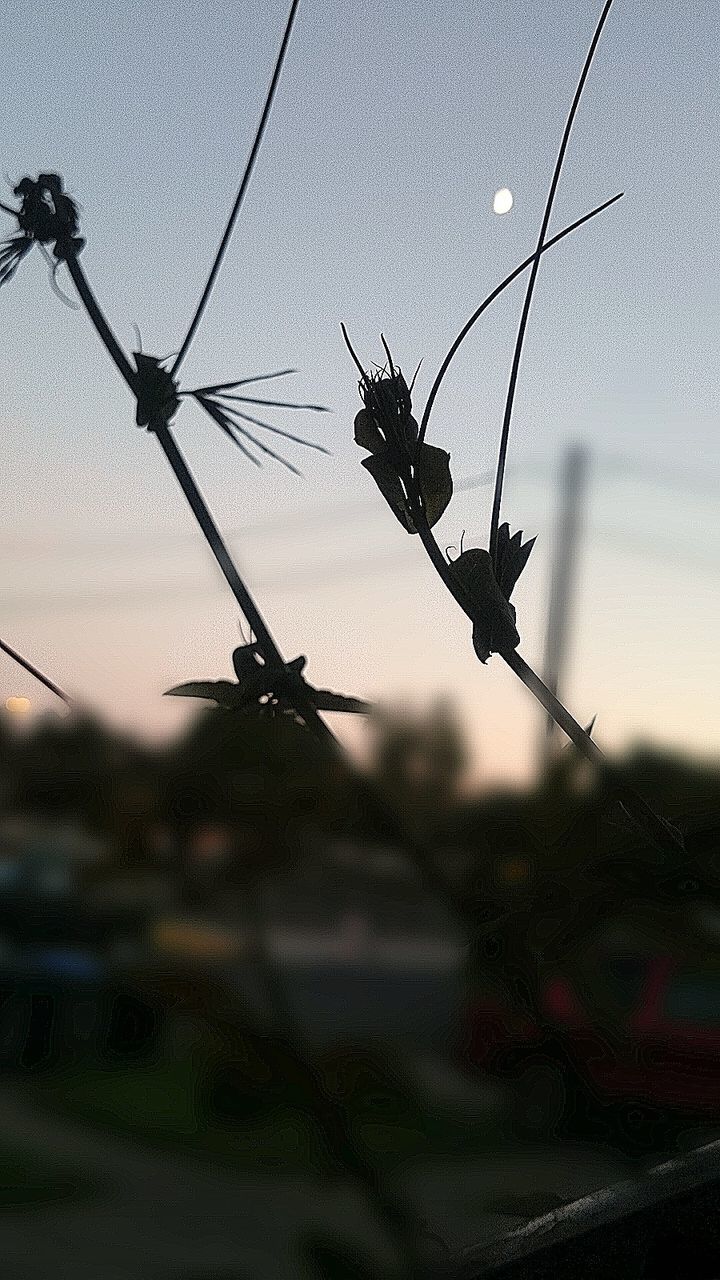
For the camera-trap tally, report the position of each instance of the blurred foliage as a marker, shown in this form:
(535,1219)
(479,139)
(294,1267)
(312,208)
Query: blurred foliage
(268,786)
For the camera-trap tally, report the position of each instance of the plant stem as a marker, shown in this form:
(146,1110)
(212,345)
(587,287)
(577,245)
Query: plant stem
(241,192)
(640,813)
(266,643)
(38,674)
(105,333)
(331,1115)
(491,298)
(267,646)
(497,499)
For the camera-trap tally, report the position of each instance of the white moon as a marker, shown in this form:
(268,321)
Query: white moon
(502,201)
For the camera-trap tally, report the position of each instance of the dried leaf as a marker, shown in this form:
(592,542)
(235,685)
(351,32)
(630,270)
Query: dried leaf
(230,418)
(389,404)
(510,558)
(266,426)
(224,692)
(386,478)
(494,629)
(245,661)
(12,253)
(156,391)
(432,471)
(326,700)
(367,432)
(276,404)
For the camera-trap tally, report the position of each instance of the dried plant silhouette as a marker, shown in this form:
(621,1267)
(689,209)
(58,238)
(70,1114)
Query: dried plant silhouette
(260,692)
(47,215)
(415,480)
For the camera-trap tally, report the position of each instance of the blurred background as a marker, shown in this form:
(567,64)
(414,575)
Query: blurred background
(215,950)
(261,1015)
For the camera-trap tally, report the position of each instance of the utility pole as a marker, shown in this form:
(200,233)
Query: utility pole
(573,489)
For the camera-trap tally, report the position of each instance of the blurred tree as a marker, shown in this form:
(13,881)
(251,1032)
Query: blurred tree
(419,763)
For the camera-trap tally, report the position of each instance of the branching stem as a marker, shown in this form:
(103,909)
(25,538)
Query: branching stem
(241,191)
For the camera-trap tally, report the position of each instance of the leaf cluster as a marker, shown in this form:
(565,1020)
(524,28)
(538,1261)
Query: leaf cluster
(261,690)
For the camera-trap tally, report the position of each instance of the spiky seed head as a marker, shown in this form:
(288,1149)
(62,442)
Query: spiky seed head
(388,404)
(156,392)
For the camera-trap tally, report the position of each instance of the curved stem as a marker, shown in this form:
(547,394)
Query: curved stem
(105,333)
(38,674)
(497,499)
(241,192)
(491,298)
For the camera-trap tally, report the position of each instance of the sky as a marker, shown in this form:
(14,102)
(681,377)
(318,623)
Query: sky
(371,203)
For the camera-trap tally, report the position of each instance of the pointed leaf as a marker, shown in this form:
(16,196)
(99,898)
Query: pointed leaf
(502,551)
(276,404)
(570,746)
(224,692)
(240,382)
(494,628)
(326,700)
(515,567)
(287,435)
(387,481)
(226,425)
(367,433)
(432,471)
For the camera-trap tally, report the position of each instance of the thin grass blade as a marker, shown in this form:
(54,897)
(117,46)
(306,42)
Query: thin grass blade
(266,449)
(278,404)
(287,435)
(226,425)
(240,382)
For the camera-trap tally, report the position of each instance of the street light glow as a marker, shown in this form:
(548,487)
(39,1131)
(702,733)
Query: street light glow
(17,706)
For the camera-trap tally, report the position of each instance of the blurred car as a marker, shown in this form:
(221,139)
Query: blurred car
(628,1026)
(67,986)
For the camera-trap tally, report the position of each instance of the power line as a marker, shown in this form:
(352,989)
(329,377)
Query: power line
(318,517)
(610,465)
(667,551)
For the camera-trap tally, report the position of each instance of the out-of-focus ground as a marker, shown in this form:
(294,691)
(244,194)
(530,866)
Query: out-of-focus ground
(137,1213)
(205,947)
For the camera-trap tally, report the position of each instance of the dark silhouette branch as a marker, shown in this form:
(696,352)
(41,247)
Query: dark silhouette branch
(38,674)
(241,192)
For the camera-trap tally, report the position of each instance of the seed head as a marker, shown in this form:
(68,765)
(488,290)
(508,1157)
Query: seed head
(156,392)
